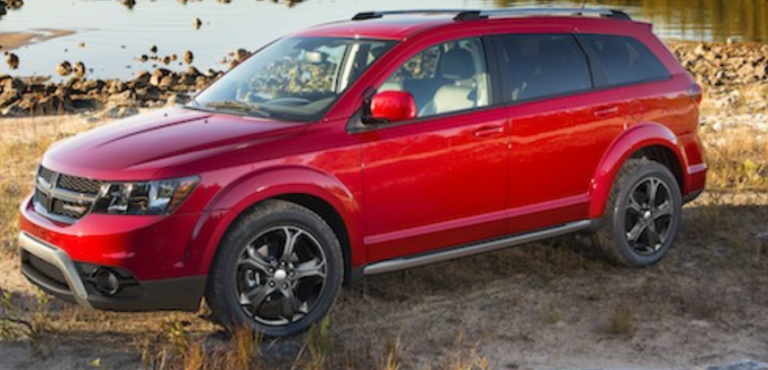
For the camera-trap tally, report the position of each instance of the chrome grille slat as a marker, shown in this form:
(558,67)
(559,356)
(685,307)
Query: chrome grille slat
(64,197)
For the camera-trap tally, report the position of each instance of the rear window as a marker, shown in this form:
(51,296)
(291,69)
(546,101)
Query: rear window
(542,65)
(625,60)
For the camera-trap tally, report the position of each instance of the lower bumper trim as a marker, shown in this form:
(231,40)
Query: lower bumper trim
(61,260)
(166,294)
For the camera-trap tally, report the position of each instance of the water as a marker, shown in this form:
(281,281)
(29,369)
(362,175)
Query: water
(115,36)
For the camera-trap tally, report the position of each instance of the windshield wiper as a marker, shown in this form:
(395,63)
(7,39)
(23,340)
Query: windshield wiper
(239,106)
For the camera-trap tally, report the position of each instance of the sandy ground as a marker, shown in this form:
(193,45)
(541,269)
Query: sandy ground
(558,305)
(15,40)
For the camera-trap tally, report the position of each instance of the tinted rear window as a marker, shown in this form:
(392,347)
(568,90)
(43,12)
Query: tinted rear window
(625,60)
(538,66)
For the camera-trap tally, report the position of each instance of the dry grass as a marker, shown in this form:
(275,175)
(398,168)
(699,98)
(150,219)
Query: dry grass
(738,159)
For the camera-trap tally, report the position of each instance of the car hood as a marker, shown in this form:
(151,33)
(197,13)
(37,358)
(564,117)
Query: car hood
(138,147)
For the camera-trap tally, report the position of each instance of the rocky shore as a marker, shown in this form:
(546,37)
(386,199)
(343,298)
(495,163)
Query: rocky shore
(731,74)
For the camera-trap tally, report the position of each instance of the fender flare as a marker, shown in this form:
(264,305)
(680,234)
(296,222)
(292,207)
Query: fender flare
(630,141)
(232,201)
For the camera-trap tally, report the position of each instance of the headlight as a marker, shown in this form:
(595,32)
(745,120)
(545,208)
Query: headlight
(144,198)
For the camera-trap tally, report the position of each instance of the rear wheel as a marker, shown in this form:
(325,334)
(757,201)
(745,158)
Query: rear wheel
(642,217)
(278,271)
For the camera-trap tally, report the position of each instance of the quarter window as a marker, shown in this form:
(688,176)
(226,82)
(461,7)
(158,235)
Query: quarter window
(625,60)
(542,65)
(444,78)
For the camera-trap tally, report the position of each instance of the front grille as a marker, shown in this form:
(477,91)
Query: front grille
(46,174)
(48,270)
(64,197)
(79,184)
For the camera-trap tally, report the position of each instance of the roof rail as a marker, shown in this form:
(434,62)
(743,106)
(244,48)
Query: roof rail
(608,13)
(470,14)
(372,15)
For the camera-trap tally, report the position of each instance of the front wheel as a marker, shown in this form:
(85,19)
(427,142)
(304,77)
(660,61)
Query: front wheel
(277,271)
(642,217)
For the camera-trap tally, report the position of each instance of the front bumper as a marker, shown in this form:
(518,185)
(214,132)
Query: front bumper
(51,269)
(147,255)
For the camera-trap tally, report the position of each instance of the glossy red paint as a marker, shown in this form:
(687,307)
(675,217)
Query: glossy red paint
(393,106)
(399,189)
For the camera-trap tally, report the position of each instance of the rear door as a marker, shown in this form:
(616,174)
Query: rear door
(560,127)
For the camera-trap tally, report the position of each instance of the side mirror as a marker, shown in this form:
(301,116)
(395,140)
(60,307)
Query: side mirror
(392,106)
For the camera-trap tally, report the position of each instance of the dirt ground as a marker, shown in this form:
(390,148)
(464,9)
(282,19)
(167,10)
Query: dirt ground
(553,305)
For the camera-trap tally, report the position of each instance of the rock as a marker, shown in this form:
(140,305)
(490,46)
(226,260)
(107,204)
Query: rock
(158,75)
(91,87)
(241,54)
(153,49)
(12,60)
(167,60)
(79,69)
(197,23)
(82,44)
(55,104)
(148,93)
(143,58)
(761,72)
(116,87)
(193,71)
(167,82)
(124,99)
(14,4)
(129,3)
(64,69)
(142,78)
(7,98)
(188,57)
(11,84)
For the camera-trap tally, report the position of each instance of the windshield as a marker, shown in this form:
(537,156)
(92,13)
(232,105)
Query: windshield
(295,78)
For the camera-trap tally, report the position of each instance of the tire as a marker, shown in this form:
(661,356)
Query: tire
(253,283)
(638,227)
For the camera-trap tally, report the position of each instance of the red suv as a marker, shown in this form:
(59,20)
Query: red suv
(361,147)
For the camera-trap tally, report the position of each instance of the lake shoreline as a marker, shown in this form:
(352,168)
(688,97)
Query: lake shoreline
(727,72)
(15,40)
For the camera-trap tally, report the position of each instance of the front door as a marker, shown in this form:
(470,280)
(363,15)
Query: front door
(439,180)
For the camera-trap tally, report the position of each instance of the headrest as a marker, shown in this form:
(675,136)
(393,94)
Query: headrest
(457,64)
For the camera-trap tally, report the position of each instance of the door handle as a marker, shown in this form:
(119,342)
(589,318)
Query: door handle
(487,131)
(606,111)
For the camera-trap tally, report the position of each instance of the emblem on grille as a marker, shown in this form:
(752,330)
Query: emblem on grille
(64,197)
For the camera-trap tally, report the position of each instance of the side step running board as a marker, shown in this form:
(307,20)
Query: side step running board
(496,244)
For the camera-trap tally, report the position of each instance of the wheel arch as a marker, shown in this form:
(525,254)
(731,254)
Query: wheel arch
(649,140)
(328,213)
(317,191)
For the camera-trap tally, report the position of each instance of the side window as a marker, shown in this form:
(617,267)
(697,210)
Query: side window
(625,60)
(444,78)
(542,65)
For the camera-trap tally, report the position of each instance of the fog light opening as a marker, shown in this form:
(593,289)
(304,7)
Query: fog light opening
(106,282)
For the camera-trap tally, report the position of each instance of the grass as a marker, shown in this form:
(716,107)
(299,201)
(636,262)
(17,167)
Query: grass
(738,160)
